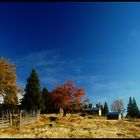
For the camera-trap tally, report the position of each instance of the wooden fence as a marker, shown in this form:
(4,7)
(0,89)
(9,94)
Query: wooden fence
(18,119)
(27,118)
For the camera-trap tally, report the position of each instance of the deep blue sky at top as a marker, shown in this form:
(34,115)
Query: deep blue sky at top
(95,45)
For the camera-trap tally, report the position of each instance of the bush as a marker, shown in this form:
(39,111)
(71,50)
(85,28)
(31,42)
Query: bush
(53,118)
(83,114)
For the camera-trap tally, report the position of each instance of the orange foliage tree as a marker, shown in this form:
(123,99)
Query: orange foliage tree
(8,88)
(67,96)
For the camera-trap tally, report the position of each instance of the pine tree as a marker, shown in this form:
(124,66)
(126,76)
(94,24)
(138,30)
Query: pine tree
(105,109)
(90,105)
(129,108)
(45,99)
(135,108)
(98,105)
(32,98)
(132,108)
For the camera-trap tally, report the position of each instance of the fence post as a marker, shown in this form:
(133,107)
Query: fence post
(2,115)
(20,120)
(7,114)
(10,118)
(38,114)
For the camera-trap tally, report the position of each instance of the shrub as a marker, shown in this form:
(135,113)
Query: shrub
(53,118)
(83,114)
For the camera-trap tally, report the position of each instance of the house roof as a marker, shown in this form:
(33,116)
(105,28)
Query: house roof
(91,109)
(88,109)
(113,113)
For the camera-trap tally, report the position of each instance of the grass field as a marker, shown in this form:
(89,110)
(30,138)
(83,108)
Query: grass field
(75,126)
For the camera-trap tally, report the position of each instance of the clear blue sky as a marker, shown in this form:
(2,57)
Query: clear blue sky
(95,45)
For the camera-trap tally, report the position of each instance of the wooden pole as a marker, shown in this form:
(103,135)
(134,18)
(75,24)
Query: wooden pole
(2,115)
(10,118)
(20,120)
(38,114)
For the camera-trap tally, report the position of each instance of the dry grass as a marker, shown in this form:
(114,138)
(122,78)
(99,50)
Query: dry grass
(75,126)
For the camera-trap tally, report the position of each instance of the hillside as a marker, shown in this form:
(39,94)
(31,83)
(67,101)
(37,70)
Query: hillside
(75,126)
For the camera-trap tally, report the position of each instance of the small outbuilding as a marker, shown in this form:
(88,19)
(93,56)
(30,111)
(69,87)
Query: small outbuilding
(114,116)
(94,111)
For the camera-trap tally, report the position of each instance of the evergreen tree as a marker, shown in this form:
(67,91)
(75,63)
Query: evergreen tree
(98,105)
(102,107)
(132,108)
(105,109)
(45,99)
(135,108)
(129,108)
(90,105)
(32,98)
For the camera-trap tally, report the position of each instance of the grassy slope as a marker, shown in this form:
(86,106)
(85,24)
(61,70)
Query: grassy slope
(75,126)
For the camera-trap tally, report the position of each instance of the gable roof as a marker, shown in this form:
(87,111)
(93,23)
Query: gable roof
(113,113)
(92,109)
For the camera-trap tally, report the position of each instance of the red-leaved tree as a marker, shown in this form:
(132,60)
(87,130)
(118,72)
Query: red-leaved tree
(67,96)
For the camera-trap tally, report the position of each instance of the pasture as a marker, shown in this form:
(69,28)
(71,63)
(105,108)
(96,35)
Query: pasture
(75,126)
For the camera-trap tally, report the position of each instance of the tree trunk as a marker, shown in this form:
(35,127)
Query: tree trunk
(61,111)
(64,113)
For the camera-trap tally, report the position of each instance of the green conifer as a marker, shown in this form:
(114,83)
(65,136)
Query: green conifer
(105,109)
(32,98)
(135,108)
(45,99)
(132,108)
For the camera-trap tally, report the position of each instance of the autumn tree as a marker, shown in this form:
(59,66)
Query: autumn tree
(118,106)
(67,96)
(32,98)
(8,88)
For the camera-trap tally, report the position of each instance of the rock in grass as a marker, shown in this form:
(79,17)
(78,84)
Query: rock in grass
(50,125)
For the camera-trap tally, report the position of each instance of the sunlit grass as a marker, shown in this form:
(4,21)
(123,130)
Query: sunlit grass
(75,126)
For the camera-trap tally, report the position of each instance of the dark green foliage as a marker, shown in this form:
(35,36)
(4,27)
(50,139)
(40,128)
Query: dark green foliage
(102,107)
(83,114)
(98,105)
(105,109)
(135,108)
(132,109)
(32,98)
(90,105)
(129,108)
(45,100)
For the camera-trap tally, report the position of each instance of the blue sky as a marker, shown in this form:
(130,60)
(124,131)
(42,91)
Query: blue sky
(96,45)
